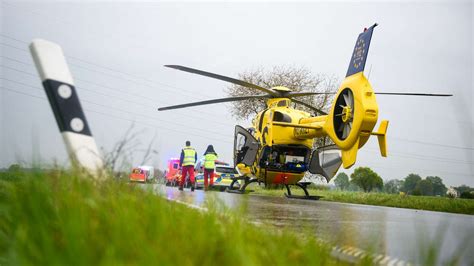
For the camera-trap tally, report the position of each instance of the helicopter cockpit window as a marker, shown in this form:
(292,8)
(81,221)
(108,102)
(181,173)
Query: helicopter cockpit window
(282,103)
(281,117)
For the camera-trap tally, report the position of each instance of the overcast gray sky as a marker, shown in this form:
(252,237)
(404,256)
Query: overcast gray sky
(116,53)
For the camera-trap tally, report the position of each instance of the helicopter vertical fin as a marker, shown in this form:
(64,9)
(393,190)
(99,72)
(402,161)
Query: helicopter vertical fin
(361,49)
(349,156)
(59,87)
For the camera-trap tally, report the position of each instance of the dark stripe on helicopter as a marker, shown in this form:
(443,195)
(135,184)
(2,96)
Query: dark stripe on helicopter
(66,107)
(264,132)
(261,120)
(361,49)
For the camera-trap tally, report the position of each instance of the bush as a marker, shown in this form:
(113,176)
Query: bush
(467,195)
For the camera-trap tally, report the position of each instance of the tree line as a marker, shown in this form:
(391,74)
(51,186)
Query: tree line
(365,179)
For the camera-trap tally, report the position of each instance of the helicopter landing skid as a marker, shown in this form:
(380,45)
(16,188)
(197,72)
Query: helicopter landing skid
(241,189)
(303,187)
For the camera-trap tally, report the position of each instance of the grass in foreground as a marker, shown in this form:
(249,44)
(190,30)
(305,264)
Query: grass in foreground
(442,204)
(61,218)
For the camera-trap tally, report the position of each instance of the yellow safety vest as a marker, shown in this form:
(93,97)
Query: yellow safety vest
(210,160)
(189,156)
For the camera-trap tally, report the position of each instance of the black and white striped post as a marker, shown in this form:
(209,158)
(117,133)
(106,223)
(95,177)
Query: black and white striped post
(59,86)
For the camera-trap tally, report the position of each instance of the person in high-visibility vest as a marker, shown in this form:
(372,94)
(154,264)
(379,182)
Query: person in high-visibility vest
(187,161)
(210,157)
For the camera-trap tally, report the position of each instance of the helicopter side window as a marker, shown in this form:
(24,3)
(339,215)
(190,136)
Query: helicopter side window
(265,156)
(240,142)
(241,149)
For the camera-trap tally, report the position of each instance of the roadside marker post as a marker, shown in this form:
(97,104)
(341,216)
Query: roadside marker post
(59,87)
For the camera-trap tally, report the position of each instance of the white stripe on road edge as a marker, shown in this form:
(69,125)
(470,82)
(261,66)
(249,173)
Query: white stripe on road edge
(351,254)
(345,253)
(202,209)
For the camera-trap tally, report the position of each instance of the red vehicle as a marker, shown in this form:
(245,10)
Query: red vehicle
(142,174)
(173,172)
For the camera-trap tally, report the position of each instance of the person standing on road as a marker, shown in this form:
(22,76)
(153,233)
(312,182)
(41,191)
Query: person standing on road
(210,157)
(187,161)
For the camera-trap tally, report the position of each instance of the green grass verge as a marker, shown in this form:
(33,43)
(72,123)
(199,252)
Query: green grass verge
(63,218)
(442,204)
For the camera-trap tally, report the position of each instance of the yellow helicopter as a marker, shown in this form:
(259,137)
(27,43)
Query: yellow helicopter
(278,148)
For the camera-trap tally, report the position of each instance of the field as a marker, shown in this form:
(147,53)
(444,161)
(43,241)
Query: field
(64,218)
(442,204)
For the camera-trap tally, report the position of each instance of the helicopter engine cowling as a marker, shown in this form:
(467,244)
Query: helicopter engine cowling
(352,117)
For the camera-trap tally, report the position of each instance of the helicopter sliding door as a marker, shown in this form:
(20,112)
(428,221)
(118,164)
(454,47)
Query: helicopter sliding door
(245,147)
(326,161)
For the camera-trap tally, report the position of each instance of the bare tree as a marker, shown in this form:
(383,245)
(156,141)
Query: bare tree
(295,78)
(122,153)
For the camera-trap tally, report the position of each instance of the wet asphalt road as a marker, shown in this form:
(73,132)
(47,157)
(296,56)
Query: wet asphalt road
(401,233)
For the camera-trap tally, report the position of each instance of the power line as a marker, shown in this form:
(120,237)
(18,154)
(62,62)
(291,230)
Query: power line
(430,143)
(131,113)
(422,157)
(419,169)
(113,96)
(122,118)
(114,89)
(174,92)
(180,90)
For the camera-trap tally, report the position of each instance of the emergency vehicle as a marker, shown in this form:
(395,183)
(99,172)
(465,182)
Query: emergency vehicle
(223,174)
(142,173)
(173,172)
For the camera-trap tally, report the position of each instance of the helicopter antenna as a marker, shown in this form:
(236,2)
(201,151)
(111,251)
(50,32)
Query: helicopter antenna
(370,71)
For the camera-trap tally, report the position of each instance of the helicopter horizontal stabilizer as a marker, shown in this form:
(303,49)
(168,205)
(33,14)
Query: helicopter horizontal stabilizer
(381,137)
(361,49)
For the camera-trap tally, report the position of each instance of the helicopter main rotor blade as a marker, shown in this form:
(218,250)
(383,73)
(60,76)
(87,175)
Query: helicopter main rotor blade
(414,94)
(221,100)
(301,94)
(309,106)
(224,78)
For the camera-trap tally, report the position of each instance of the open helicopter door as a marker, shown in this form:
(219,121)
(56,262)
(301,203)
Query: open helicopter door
(245,147)
(326,161)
